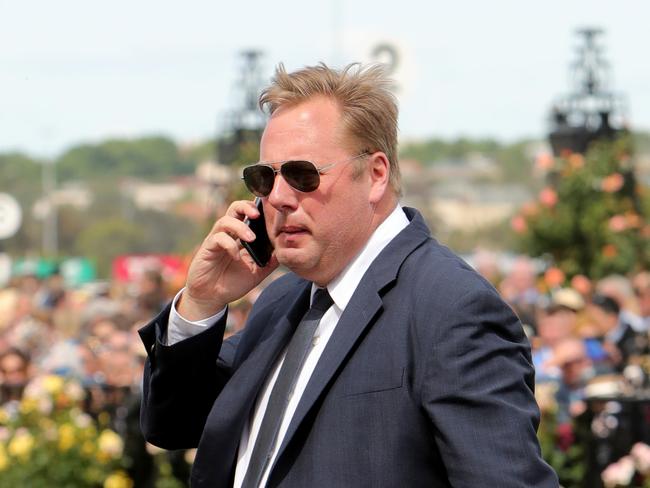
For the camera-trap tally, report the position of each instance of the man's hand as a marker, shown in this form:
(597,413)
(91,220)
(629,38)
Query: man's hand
(221,271)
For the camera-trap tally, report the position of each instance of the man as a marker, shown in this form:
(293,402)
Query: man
(556,323)
(416,375)
(620,339)
(641,284)
(619,288)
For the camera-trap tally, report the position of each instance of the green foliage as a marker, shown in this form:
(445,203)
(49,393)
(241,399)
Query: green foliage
(48,441)
(641,142)
(201,151)
(150,157)
(16,169)
(144,232)
(591,218)
(568,461)
(108,239)
(20,175)
(437,150)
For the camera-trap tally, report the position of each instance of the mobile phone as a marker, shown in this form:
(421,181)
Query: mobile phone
(261,248)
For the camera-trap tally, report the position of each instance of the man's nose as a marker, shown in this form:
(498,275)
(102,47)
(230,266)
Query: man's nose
(283,196)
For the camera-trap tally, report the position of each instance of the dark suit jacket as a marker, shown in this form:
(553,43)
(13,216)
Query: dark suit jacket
(426,381)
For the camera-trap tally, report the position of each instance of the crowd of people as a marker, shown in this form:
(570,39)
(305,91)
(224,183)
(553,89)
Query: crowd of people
(589,339)
(590,342)
(88,334)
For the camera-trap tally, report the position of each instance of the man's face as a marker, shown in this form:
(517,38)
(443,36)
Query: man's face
(316,234)
(13,370)
(555,327)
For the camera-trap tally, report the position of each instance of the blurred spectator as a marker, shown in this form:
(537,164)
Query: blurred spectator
(485,262)
(582,285)
(15,373)
(518,288)
(619,337)
(641,285)
(620,290)
(51,293)
(151,295)
(570,357)
(556,323)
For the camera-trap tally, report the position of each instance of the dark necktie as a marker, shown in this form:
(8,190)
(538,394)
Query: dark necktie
(297,350)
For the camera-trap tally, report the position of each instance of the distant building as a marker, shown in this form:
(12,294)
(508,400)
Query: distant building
(75,195)
(469,205)
(156,196)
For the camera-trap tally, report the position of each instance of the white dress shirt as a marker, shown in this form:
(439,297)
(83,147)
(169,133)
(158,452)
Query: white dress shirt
(341,290)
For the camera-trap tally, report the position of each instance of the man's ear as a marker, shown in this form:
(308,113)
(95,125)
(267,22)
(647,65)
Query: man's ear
(379,170)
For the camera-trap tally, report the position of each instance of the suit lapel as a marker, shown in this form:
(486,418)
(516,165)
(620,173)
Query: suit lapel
(233,406)
(254,370)
(364,305)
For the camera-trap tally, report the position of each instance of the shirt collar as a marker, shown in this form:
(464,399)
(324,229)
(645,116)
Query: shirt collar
(343,286)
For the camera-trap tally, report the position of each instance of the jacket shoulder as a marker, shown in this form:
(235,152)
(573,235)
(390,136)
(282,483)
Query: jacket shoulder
(435,270)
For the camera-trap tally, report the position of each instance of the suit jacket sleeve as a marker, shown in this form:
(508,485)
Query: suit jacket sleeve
(181,382)
(478,390)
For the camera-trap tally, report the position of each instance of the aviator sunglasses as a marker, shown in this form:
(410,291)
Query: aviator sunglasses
(304,176)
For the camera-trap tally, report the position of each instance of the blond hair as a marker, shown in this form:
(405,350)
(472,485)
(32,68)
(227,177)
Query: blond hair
(369,108)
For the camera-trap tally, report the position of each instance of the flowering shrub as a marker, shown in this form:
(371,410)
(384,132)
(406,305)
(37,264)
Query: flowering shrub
(632,470)
(47,440)
(592,217)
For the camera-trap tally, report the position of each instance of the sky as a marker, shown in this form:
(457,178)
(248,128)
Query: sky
(75,71)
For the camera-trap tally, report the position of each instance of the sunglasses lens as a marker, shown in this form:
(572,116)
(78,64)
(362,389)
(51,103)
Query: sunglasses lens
(259,179)
(302,175)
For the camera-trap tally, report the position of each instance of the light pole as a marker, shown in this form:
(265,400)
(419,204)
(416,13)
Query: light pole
(50,221)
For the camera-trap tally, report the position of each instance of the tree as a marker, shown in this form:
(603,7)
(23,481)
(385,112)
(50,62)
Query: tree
(107,239)
(591,218)
(153,157)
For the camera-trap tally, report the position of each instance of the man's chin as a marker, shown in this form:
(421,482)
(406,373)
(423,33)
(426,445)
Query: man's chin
(295,259)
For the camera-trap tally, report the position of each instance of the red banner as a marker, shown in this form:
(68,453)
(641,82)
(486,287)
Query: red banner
(129,268)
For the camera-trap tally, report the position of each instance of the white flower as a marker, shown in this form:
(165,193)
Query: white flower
(45,405)
(74,391)
(81,419)
(619,473)
(35,389)
(641,454)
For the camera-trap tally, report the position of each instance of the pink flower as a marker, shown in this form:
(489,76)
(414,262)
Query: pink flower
(518,224)
(544,161)
(618,223)
(612,183)
(548,197)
